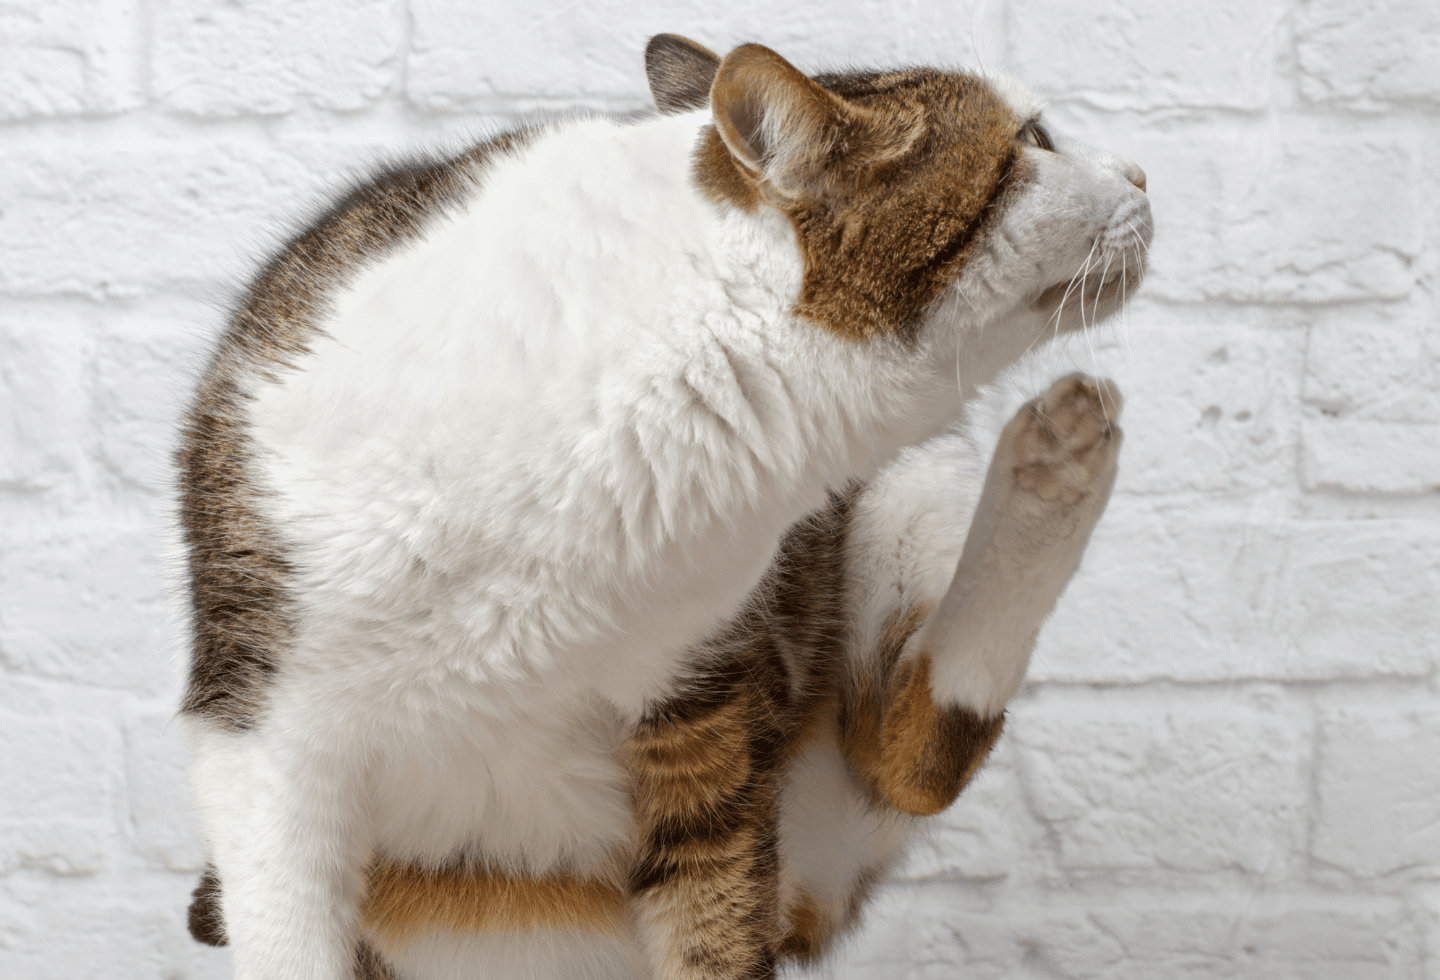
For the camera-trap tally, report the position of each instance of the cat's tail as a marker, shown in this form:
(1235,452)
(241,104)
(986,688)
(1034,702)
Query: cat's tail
(206,924)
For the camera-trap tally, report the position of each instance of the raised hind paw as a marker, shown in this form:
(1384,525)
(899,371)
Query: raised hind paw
(1047,485)
(1056,458)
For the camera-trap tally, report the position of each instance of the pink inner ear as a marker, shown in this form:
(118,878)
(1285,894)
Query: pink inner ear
(753,85)
(746,120)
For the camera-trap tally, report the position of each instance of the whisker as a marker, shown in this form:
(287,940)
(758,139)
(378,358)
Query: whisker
(1080,275)
(1055,317)
(1124,318)
(1095,310)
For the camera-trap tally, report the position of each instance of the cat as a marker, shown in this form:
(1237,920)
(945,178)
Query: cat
(589,575)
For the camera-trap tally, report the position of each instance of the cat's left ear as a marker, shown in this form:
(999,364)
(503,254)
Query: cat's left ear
(680,73)
(796,135)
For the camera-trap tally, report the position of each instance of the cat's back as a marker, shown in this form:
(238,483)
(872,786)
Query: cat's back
(240,565)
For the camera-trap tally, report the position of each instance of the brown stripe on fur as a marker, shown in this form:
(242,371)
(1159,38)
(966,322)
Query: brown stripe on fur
(929,753)
(705,879)
(716,920)
(370,965)
(404,902)
(862,709)
(808,935)
(239,575)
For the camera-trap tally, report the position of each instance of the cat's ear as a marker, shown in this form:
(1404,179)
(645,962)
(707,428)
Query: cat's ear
(794,133)
(680,73)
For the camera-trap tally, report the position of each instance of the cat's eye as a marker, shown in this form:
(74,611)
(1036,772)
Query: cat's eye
(1034,134)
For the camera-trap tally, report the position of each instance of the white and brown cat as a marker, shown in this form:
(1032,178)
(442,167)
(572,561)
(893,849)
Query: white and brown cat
(588,578)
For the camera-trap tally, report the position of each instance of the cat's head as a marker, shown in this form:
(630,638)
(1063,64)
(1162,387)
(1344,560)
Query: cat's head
(916,194)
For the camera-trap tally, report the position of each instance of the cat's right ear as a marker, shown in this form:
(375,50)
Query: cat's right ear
(680,73)
(795,134)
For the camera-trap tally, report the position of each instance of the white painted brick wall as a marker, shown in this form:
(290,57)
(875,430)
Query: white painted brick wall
(1228,761)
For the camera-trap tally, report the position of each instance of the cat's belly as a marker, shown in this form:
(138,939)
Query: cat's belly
(532,788)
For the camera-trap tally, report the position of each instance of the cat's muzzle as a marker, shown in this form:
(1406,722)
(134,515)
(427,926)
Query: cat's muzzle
(1111,272)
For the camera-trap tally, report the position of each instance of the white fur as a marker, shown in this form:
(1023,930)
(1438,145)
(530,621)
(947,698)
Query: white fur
(830,835)
(540,955)
(533,458)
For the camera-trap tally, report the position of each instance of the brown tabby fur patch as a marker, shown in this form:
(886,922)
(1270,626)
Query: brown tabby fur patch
(880,246)
(910,753)
(930,752)
(705,765)
(404,902)
(867,691)
(238,570)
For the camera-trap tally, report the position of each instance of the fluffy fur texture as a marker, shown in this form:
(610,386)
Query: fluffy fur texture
(585,583)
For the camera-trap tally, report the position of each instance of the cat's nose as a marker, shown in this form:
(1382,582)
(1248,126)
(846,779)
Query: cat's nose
(1133,173)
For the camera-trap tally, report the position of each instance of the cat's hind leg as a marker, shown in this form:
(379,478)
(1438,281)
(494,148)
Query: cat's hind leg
(283,824)
(704,885)
(924,715)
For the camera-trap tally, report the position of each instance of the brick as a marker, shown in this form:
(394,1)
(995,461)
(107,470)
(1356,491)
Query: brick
(1375,367)
(119,222)
(1428,914)
(44,387)
(520,56)
(58,810)
(1250,231)
(1372,390)
(986,835)
(60,59)
(216,58)
(1213,407)
(1380,457)
(592,52)
(1377,787)
(1236,216)
(1211,397)
(1277,245)
(146,361)
(937,930)
(1296,937)
(162,821)
(1120,54)
(86,602)
(1366,54)
(127,923)
(1166,592)
(1182,786)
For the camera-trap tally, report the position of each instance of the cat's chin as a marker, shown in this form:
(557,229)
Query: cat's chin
(1075,304)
